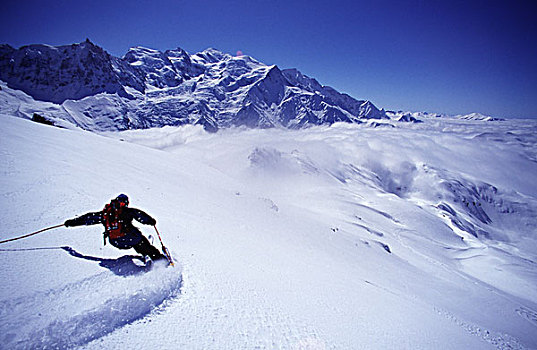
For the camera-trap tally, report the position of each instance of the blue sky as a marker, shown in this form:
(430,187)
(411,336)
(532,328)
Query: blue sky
(447,56)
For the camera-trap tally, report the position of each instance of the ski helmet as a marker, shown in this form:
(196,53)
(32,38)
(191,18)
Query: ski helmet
(123,198)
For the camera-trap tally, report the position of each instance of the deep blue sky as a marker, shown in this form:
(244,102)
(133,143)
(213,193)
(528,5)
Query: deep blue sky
(439,56)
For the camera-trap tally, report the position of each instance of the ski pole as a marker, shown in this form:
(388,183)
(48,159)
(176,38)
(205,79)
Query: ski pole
(30,234)
(164,249)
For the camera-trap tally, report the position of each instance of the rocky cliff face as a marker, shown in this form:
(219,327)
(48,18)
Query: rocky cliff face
(148,88)
(69,72)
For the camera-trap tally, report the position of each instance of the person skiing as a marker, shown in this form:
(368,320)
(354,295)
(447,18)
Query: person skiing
(116,217)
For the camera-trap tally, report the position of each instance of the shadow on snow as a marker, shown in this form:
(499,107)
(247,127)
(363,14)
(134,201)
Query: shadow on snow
(126,265)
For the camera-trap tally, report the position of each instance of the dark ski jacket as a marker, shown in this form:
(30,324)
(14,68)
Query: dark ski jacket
(132,237)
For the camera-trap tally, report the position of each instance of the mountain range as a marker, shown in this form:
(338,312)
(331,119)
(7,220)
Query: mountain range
(149,88)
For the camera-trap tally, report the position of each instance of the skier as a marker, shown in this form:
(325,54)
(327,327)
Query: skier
(116,218)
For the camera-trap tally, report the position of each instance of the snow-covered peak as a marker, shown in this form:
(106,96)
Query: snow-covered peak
(183,63)
(477,116)
(140,52)
(210,55)
(67,72)
(296,78)
(159,70)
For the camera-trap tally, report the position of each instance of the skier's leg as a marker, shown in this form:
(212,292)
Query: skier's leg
(145,248)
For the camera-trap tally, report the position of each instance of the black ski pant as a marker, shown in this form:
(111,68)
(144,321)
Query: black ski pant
(145,248)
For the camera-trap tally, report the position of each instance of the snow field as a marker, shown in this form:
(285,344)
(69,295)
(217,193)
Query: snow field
(320,238)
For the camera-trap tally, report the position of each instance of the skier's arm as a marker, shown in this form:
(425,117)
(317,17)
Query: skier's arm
(142,217)
(86,219)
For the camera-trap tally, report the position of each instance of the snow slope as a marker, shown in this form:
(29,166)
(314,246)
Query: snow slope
(346,237)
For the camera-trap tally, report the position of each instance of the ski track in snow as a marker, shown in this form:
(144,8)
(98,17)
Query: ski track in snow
(84,310)
(527,314)
(496,339)
(230,317)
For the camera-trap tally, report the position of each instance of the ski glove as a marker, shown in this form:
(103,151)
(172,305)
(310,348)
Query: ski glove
(69,223)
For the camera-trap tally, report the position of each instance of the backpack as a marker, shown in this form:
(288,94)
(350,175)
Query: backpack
(113,222)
